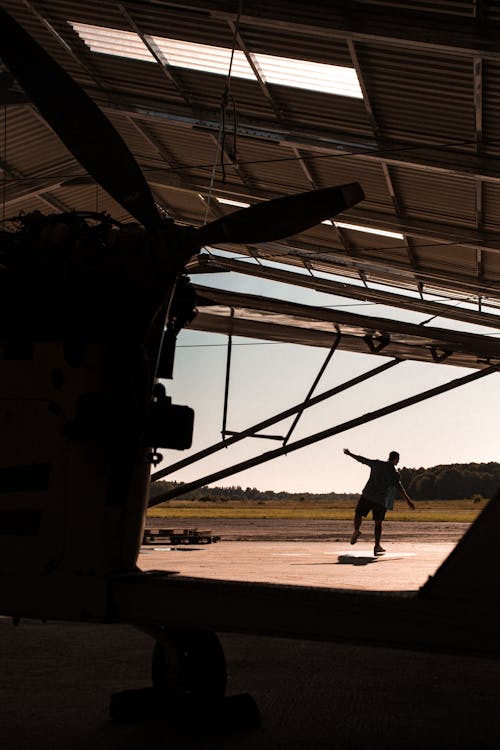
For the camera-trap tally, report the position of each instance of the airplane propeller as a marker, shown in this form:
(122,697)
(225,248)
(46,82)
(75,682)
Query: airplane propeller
(281,217)
(78,121)
(99,148)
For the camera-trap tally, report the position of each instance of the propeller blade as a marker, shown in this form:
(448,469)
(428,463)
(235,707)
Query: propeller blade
(281,217)
(77,120)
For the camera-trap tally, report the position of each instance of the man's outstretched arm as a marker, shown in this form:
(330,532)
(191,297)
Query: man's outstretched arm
(361,459)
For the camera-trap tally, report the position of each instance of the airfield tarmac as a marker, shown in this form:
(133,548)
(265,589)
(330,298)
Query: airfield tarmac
(405,566)
(308,553)
(57,678)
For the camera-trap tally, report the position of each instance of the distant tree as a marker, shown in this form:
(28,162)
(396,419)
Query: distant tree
(448,483)
(422,487)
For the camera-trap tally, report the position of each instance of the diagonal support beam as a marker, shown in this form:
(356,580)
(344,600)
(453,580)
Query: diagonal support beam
(228,373)
(251,431)
(168,71)
(307,399)
(316,437)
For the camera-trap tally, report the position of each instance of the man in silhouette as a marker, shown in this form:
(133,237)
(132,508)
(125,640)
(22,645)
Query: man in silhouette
(378,495)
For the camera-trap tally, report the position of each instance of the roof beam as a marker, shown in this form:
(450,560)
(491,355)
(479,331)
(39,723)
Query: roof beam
(170,162)
(430,230)
(436,33)
(50,26)
(434,231)
(10,93)
(168,71)
(278,112)
(397,208)
(350,291)
(326,144)
(306,315)
(388,272)
(478,102)
(362,84)
(305,169)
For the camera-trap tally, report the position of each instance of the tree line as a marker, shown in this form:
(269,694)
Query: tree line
(224,494)
(452,481)
(443,482)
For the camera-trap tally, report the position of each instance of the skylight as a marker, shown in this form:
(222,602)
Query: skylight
(313,76)
(203,57)
(368,230)
(113,42)
(283,71)
(329,222)
(230,202)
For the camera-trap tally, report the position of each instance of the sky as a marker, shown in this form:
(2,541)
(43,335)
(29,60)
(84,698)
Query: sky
(456,427)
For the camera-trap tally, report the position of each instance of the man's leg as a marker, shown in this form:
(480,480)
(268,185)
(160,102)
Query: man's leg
(378,536)
(358,519)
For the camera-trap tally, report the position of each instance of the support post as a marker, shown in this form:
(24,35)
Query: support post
(313,387)
(228,372)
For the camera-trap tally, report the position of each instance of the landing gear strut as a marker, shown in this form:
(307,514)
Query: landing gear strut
(189,685)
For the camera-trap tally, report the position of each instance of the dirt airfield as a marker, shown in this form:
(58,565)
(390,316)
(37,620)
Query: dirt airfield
(287,530)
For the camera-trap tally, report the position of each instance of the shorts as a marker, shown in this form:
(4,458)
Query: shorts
(364,506)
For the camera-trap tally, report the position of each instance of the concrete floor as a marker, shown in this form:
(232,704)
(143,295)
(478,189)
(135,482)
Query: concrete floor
(56,681)
(404,567)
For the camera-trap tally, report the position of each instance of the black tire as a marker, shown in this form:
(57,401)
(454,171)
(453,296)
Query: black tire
(189,663)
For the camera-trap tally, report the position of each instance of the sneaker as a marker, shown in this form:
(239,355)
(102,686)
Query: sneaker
(378,550)
(355,536)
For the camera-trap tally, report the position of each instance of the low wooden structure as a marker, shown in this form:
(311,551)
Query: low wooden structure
(178,536)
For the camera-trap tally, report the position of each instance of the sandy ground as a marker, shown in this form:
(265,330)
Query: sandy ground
(57,679)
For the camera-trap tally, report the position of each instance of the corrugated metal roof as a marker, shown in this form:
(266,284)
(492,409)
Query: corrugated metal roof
(424,142)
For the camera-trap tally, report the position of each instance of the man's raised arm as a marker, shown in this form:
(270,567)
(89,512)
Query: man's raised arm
(361,459)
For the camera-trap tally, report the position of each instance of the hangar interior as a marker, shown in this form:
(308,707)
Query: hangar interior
(229,103)
(226,104)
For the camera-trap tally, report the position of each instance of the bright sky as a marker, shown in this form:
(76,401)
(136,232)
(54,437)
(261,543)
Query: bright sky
(266,378)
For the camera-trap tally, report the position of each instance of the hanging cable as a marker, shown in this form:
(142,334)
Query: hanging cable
(226,97)
(4,181)
(228,100)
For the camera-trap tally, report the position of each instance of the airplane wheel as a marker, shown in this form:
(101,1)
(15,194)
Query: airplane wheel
(189,663)
(235,713)
(142,704)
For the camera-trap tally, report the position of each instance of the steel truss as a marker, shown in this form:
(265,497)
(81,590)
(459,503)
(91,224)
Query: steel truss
(303,442)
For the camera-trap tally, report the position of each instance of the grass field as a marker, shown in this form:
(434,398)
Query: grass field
(464,511)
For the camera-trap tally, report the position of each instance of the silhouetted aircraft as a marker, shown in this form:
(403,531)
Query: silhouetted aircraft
(89,312)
